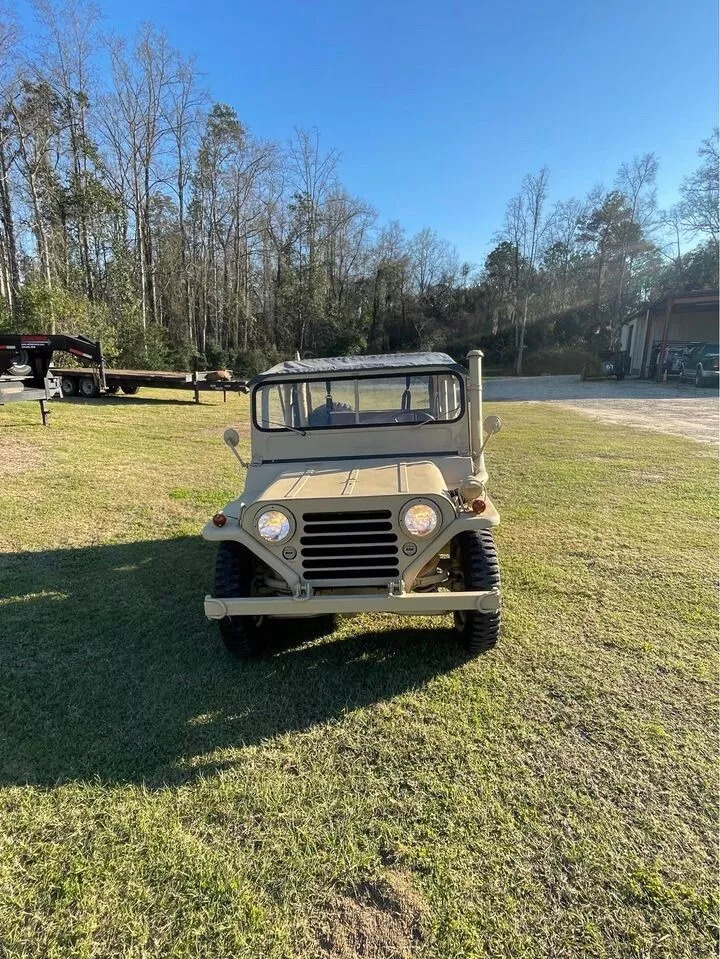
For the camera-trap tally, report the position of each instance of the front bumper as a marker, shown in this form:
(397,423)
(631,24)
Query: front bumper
(402,604)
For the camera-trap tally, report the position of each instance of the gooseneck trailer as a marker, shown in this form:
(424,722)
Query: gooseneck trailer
(32,355)
(25,372)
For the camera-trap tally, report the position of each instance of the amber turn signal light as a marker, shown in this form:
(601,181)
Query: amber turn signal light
(478,505)
(219,519)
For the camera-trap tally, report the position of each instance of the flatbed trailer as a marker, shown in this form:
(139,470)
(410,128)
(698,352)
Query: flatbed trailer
(81,381)
(34,352)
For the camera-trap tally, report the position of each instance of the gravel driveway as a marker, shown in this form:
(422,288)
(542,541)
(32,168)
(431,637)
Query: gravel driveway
(673,407)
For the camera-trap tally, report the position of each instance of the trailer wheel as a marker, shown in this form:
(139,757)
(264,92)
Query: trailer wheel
(112,390)
(242,635)
(68,385)
(88,388)
(474,565)
(129,389)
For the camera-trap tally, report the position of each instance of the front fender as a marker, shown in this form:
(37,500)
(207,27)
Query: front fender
(234,533)
(466,521)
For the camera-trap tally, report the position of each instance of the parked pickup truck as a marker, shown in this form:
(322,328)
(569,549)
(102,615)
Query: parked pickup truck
(700,363)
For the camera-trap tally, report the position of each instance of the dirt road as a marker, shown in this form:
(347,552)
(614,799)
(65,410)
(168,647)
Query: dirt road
(672,407)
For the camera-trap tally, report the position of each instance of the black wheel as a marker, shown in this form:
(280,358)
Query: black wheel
(699,377)
(88,388)
(583,374)
(243,635)
(474,565)
(68,385)
(129,389)
(112,390)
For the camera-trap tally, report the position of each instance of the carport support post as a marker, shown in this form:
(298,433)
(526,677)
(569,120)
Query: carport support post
(475,402)
(195,386)
(663,342)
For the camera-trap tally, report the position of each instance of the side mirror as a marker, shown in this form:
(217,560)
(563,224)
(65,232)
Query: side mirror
(491,425)
(231,438)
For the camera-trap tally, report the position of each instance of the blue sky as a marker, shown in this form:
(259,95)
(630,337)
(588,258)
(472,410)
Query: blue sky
(439,108)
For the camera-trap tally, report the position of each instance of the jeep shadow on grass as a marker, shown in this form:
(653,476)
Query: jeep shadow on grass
(108,670)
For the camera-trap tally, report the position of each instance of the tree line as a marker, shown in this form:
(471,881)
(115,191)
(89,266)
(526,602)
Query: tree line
(136,209)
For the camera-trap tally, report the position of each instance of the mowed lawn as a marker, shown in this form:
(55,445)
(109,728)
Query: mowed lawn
(375,793)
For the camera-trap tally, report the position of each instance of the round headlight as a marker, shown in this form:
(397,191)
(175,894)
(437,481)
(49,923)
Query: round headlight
(421,519)
(273,525)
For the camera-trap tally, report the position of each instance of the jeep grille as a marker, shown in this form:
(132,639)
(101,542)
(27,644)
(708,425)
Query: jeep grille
(357,546)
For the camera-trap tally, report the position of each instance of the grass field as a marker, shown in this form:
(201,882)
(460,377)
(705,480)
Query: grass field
(373,794)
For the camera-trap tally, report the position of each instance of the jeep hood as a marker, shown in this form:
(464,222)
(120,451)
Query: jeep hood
(413,478)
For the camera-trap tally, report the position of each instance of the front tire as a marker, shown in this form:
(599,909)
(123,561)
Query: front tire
(242,635)
(699,377)
(476,567)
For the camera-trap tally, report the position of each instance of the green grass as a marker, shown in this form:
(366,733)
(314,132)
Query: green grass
(374,793)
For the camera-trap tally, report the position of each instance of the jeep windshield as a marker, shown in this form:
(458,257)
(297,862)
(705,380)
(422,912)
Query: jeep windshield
(358,401)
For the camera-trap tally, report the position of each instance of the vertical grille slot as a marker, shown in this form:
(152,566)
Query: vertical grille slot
(355,546)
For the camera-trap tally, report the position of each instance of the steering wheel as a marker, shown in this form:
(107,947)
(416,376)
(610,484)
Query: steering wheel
(430,418)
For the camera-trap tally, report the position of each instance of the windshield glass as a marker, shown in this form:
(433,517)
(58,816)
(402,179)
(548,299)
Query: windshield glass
(362,401)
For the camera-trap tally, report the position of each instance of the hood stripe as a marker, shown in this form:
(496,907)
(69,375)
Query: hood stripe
(350,483)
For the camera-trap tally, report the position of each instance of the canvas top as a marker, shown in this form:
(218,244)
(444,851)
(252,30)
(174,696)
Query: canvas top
(355,364)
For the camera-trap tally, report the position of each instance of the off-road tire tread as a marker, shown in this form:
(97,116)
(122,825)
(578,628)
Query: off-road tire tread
(481,569)
(232,578)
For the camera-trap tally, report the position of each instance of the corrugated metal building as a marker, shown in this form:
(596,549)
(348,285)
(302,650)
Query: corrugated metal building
(679,319)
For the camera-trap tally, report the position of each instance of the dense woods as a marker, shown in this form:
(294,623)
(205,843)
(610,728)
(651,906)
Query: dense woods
(135,208)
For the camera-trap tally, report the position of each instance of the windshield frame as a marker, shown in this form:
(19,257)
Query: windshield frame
(369,375)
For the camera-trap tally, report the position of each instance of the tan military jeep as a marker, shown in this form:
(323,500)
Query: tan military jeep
(365,493)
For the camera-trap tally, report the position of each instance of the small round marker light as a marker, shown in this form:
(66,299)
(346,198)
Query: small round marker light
(219,519)
(478,505)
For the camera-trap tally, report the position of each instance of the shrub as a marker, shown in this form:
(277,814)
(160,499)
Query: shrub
(556,360)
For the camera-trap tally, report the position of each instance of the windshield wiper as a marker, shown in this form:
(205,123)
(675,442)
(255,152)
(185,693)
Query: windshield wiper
(284,426)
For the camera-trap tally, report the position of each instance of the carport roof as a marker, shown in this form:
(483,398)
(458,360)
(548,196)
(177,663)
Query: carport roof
(689,302)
